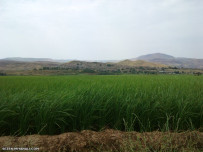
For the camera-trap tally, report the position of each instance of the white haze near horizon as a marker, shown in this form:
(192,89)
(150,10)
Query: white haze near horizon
(100,29)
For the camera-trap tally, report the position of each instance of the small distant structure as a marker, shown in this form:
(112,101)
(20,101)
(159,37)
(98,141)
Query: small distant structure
(2,74)
(197,73)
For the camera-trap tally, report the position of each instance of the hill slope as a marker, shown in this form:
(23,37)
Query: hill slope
(139,63)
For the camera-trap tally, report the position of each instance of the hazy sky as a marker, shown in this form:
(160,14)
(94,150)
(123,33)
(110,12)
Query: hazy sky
(100,29)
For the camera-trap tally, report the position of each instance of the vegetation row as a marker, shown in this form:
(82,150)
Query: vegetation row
(57,104)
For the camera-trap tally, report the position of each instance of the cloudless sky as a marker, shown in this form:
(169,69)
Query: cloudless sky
(100,29)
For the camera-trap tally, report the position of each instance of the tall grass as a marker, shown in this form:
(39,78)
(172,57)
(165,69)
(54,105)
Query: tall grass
(57,104)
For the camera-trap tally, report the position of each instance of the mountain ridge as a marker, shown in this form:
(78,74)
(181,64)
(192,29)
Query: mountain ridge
(21,59)
(151,60)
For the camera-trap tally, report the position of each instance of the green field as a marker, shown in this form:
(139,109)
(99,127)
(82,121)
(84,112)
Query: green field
(57,104)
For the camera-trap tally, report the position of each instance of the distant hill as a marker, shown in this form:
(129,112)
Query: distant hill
(154,56)
(6,65)
(34,59)
(172,61)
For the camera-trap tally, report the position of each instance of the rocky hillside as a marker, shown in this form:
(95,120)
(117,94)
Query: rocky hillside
(139,63)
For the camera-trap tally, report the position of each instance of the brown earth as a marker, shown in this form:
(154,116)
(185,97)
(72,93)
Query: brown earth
(108,140)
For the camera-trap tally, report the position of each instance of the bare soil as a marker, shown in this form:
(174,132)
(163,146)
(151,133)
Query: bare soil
(108,140)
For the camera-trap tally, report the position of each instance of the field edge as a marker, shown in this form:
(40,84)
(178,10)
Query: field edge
(108,140)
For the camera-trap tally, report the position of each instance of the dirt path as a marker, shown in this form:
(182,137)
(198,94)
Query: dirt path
(107,140)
